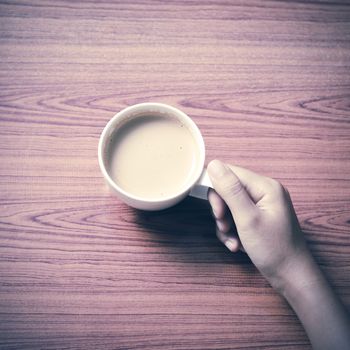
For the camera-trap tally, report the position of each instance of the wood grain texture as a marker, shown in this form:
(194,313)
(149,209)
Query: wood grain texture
(267,83)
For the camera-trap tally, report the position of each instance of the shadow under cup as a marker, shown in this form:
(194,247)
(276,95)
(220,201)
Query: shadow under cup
(151,155)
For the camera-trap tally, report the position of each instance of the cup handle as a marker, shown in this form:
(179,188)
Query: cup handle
(201,187)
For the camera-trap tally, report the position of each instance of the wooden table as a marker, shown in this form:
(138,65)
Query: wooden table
(268,85)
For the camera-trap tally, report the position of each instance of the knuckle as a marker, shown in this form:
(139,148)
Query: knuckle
(230,187)
(254,220)
(220,235)
(249,222)
(277,188)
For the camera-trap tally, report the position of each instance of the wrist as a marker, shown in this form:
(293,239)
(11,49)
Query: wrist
(324,317)
(297,275)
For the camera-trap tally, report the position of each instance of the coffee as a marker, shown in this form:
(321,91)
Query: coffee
(152,156)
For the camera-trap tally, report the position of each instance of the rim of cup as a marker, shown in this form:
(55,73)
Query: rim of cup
(138,110)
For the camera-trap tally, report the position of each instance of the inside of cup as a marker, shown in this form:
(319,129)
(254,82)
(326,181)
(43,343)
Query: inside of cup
(117,133)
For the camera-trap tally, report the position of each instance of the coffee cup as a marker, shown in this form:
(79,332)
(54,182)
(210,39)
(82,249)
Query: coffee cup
(152,156)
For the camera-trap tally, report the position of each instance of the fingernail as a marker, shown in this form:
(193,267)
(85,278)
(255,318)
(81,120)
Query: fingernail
(231,245)
(216,168)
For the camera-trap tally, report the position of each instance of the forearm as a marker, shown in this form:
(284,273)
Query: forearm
(325,319)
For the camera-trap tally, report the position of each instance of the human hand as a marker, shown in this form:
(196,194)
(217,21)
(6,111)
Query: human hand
(267,226)
(268,230)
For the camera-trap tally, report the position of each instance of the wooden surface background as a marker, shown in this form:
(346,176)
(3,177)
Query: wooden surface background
(268,84)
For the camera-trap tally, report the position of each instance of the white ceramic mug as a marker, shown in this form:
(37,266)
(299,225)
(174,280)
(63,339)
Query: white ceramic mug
(200,182)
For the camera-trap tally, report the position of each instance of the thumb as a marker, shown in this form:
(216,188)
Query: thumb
(231,190)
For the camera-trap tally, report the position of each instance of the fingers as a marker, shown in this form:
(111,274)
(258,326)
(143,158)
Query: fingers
(255,184)
(232,191)
(224,223)
(220,212)
(261,188)
(232,242)
(218,205)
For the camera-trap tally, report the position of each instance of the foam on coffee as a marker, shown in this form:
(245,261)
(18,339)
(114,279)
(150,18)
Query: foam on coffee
(152,156)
